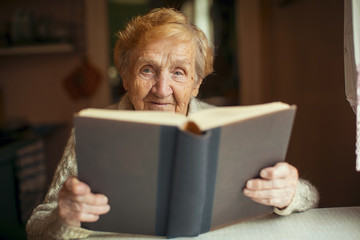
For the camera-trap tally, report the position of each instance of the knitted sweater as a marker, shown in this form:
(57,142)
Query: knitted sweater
(45,222)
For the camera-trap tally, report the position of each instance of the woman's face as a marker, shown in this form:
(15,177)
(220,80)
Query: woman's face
(162,76)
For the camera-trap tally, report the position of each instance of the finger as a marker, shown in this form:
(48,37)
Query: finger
(73,213)
(85,217)
(262,184)
(75,186)
(75,206)
(273,198)
(280,170)
(89,198)
(286,193)
(273,202)
(92,199)
(74,218)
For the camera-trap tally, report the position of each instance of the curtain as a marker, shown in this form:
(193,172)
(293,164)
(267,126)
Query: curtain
(352,63)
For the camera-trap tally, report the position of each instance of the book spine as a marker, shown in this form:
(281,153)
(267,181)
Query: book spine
(166,154)
(193,181)
(212,157)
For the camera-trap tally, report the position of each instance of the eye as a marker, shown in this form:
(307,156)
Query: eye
(147,71)
(179,72)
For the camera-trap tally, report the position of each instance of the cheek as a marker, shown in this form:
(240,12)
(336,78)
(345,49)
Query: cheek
(139,89)
(183,94)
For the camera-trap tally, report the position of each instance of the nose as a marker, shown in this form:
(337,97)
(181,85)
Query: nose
(162,86)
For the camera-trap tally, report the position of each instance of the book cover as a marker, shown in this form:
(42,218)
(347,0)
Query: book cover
(162,179)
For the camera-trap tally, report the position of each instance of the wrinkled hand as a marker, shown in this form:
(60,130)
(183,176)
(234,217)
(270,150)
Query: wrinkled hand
(276,187)
(77,204)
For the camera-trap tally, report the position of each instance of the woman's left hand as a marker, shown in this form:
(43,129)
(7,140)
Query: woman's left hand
(276,187)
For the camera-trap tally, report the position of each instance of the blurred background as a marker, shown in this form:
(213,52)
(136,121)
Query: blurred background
(56,59)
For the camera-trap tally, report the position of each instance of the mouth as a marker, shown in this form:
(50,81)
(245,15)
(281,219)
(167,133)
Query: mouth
(159,103)
(160,106)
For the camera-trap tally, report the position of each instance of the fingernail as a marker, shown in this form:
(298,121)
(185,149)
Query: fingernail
(104,199)
(246,192)
(249,184)
(263,173)
(107,209)
(82,188)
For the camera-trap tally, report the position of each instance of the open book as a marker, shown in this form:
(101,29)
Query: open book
(170,175)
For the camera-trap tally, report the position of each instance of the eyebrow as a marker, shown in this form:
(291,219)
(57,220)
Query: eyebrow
(176,62)
(181,62)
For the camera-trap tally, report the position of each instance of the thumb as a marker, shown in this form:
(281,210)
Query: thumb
(74,185)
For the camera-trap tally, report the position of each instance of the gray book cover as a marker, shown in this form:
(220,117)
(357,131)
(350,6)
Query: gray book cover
(164,181)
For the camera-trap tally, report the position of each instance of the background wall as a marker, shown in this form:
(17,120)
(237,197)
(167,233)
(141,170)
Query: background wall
(32,85)
(299,59)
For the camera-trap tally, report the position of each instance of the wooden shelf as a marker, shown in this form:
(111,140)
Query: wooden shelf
(37,49)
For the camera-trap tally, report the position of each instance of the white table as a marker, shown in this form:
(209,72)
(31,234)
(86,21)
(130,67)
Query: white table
(316,224)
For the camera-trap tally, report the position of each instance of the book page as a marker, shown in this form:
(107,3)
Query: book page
(215,117)
(200,121)
(149,117)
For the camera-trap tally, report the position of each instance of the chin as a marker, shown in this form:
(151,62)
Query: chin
(158,107)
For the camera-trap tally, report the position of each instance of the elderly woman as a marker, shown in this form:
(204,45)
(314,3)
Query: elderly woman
(162,59)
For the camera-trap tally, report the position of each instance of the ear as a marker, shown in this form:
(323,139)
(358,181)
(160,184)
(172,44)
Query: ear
(125,84)
(197,85)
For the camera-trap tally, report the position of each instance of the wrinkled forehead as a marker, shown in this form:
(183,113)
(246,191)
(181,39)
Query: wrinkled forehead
(174,38)
(179,31)
(165,52)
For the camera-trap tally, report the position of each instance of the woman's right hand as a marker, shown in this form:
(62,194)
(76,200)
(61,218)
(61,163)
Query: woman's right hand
(76,203)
